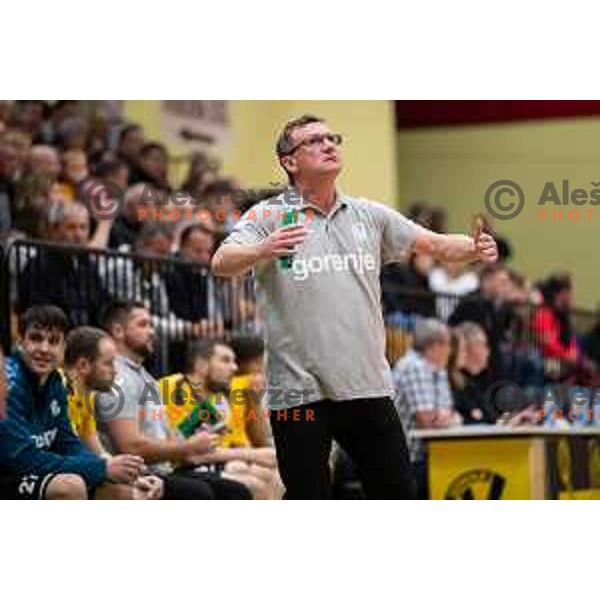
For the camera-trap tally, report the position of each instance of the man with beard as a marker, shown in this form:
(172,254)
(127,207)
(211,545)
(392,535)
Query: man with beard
(40,456)
(89,366)
(199,399)
(131,417)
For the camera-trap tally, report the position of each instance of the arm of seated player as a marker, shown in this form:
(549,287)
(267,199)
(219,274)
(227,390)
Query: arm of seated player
(260,456)
(93,444)
(258,433)
(127,439)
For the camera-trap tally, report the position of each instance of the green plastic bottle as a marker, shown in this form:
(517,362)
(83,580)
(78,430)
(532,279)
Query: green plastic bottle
(203,414)
(290,216)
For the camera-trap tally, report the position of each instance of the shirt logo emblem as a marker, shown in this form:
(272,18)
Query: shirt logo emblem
(55,408)
(360,234)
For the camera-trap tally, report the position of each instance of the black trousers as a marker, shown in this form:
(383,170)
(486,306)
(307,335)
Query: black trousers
(186,484)
(370,432)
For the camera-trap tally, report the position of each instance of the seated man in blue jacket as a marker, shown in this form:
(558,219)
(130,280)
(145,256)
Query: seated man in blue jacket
(40,456)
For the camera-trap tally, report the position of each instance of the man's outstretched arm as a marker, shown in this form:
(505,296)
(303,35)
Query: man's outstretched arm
(456,247)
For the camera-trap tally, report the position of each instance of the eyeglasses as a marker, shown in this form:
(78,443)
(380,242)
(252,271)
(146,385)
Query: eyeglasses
(317,141)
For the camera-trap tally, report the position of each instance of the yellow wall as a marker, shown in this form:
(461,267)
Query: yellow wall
(454,166)
(368,129)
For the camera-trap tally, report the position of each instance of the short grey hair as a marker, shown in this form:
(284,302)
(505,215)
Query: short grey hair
(284,144)
(60,211)
(428,332)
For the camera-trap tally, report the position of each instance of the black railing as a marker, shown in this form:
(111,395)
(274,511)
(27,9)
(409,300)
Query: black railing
(184,298)
(519,346)
(187,301)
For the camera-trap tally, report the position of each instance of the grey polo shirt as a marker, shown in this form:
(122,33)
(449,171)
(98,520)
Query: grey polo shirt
(325,336)
(136,396)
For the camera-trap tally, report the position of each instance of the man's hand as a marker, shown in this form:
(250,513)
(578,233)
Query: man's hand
(265,457)
(200,443)
(124,468)
(148,487)
(486,249)
(282,242)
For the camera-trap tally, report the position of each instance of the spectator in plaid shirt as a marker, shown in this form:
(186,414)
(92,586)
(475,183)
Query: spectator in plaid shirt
(423,398)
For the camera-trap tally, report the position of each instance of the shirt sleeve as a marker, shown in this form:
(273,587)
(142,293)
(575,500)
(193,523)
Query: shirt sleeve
(416,388)
(255,225)
(398,233)
(121,402)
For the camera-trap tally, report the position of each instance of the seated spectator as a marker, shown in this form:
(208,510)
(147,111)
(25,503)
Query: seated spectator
(129,222)
(140,425)
(451,280)
(114,172)
(423,396)
(63,278)
(100,134)
(490,310)
(468,359)
(219,199)
(75,171)
(131,142)
(141,278)
(203,172)
(72,134)
(34,198)
(40,456)
(199,399)
(153,167)
(552,321)
(405,290)
(45,162)
(21,143)
(28,116)
(89,368)
(190,286)
(57,114)
(9,168)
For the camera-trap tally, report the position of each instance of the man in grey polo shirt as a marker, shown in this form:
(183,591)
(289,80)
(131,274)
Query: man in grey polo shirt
(319,294)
